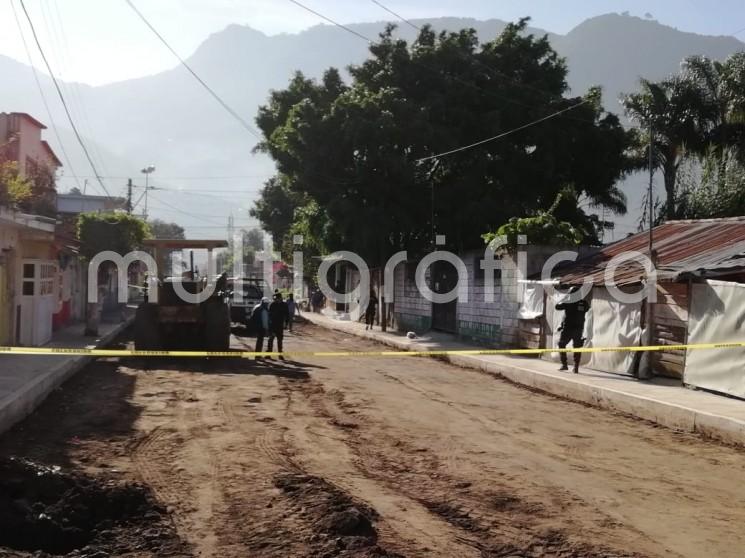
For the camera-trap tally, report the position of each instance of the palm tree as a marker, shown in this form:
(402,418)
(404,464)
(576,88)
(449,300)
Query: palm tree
(720,87)
(670,108)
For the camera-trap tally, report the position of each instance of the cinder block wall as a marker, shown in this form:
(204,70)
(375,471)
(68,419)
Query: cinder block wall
(412,311)
(492,324)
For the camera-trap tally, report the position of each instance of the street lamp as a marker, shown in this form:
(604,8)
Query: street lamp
(146,171)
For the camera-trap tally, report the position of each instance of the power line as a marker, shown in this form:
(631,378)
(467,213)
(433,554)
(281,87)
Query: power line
(224,105)
(62,99)
(201,217)
(41,92)
(489,69)
(235,177)
(331,21)
(503,134)
(73,88)
(437,72)
(201,190)
(394,14)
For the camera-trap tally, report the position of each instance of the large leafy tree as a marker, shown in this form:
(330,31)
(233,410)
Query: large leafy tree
(697,116)
(356,165)
(669,110)
(164,229)
(720,88)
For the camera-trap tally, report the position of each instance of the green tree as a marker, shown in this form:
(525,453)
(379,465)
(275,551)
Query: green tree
(720,88)
(162,229)
(254,239)
(713,186)
(13,189)
(119,232)
(671,108)
(352,158)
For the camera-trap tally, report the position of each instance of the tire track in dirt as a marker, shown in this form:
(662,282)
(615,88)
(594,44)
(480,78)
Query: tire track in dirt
(505,530)
(404,519)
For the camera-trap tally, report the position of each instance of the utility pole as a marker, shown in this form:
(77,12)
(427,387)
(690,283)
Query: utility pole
(650,200)
(646,367)
(147,171)
(129,196)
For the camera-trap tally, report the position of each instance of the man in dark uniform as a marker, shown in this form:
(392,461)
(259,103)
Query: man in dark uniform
(572,327)
(278,316)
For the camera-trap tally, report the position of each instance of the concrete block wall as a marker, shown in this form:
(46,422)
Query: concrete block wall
(490,323)
(411,310)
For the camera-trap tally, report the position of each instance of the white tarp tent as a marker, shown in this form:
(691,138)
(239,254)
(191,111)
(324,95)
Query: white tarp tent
(614,324)
(717,315)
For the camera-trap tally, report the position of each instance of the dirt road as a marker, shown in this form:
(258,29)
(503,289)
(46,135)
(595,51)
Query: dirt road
(384,457)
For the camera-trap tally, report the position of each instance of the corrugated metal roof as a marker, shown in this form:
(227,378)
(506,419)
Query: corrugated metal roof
(711,246)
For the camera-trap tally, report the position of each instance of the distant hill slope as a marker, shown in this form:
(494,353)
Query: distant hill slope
(167,119)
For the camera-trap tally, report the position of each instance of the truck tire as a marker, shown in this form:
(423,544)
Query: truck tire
(147,328)
(217,325)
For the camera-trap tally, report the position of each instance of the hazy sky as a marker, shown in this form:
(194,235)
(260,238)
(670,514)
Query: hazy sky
(99,41)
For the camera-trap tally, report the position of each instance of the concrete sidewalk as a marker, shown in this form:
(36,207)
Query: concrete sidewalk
(661,401)
(26,380)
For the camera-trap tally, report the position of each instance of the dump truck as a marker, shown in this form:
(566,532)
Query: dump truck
(167,321)
(252,290)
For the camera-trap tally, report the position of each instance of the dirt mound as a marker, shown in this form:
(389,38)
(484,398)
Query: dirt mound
(552,544)
(44,509)
(342,525)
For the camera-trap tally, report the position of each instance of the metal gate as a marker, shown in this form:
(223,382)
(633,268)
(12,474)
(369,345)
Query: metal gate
(444,279)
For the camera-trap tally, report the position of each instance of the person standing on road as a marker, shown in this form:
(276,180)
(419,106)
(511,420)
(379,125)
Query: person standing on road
(260,323)
(278,316)
(317,301)
(572,327)
(291,310)
(371,310)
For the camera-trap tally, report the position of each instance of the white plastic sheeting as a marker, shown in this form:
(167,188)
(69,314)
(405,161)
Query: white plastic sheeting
(614,324)
(717,315)
(531,305)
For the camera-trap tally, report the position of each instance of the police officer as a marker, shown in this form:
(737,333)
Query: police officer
(260,323)
(278,317)
(572,327)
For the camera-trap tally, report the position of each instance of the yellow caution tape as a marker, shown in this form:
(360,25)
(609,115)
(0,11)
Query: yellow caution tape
(251,354)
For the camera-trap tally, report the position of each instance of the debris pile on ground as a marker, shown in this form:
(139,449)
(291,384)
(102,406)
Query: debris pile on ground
(342,525)
(44,510)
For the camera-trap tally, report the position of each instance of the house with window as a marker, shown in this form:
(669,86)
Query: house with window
(29,282)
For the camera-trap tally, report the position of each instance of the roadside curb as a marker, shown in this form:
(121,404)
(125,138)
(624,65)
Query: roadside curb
(725,429)
(21,403)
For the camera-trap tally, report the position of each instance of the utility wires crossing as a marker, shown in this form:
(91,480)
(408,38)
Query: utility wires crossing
(183,62)
(62,99)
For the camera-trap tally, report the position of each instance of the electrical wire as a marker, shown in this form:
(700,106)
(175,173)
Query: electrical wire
(62,99)
(41,93)
(433,70)
(496,73)
(235,177)
(503,134)
(201,217)
(394,14)
(76,98)
(331,21)
(183,62)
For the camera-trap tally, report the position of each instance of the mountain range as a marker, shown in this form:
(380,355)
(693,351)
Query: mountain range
(169,120)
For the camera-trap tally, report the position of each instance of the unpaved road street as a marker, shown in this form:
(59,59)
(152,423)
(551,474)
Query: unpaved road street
(358,456)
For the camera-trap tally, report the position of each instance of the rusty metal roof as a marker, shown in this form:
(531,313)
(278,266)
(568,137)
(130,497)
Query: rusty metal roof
(698,247)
